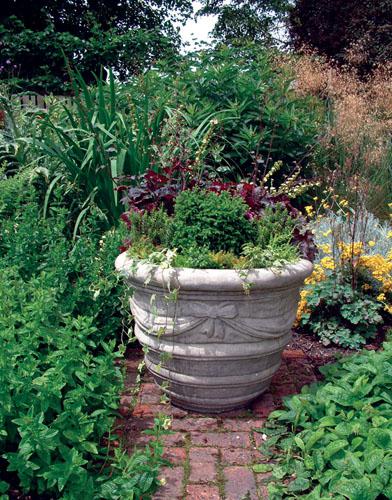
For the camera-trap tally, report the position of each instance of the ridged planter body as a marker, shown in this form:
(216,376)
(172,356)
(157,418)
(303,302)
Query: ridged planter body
(215,346)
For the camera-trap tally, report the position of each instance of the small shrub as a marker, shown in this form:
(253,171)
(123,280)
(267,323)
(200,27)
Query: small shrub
(213,221)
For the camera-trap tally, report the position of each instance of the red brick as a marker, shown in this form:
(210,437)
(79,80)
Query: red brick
(173,488)
(231,424)
(142,410)
(176,456)
(221,439)
(202,492)
(264,405)
(195,424)
(150,388)
(147,398)
(142,440)
(241,412)
(133,364)
(176,439)
(202,472)
(293,354)
(130,379)
(240,482)
(206,455)
(258,437)
(178,412)
(237,457)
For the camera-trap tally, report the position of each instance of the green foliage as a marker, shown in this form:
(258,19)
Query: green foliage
(275,227)
(273,247)
(334,440)
(261,118)
(103,137)
(60,321)
(210,231)
(213,221)
(244,20)
(275,254)
(199,258)
(154,226)
(339,315)
(126,37)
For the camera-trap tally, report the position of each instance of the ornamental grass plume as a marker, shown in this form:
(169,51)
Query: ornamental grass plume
(356,138)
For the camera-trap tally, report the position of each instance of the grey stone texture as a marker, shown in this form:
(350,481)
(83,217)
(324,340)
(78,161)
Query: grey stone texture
(213,344)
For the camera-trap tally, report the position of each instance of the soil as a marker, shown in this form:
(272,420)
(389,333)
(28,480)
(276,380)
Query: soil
(320,355)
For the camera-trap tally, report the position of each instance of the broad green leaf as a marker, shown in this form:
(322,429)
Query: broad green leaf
(259,468)
(334,447)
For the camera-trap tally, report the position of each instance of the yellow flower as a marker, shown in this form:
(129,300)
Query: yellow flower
(388,309)
(343,203)
(327,233)
(326,248)
(350,250)
(309,210)
(390,205)
(389,235)
(381,297)
(371,243)
(328,263)
(366,286)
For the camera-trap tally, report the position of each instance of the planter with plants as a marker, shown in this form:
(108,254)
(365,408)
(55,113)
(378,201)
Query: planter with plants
(215,270)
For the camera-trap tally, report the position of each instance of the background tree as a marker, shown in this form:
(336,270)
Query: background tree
(126,35)
(351,31)
(247,20)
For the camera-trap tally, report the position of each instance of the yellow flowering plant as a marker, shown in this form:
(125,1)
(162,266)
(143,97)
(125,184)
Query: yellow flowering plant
(349,295)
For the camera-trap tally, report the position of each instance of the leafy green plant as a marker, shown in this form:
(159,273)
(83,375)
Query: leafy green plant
(211,230)
(339,315)
(61,330)
(103,137)
(214,221)
(334,440)
(268,122)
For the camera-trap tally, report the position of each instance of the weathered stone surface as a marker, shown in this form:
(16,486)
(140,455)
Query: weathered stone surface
(221,346)
(237,457)
(208,454)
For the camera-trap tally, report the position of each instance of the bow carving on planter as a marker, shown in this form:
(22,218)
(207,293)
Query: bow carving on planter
(213,318)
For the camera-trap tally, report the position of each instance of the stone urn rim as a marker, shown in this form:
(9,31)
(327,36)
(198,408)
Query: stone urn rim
(185,278)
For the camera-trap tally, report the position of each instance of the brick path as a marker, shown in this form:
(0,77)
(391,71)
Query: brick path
(211,454)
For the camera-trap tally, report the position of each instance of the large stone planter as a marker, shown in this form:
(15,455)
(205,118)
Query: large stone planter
(213,347)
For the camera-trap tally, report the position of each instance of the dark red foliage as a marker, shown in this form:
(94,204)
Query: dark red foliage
(153,190)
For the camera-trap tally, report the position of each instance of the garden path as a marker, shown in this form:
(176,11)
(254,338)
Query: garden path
(211,455)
